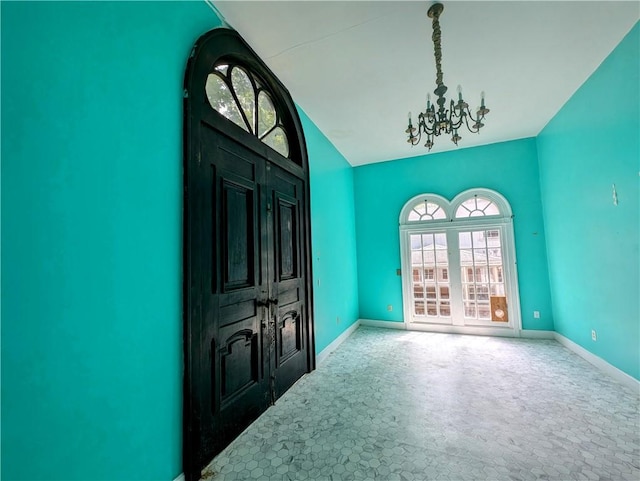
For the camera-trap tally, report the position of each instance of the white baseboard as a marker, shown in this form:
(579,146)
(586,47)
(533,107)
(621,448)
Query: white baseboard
(180,477)
(533,334)
(620,376)
(322,355)
(384,324)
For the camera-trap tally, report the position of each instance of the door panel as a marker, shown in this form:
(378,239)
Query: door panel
(290,351)
(232,377)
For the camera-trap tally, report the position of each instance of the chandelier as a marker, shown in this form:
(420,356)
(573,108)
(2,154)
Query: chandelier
(433,123)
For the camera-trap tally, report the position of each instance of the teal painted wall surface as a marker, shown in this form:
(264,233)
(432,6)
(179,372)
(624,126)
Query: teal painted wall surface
(381,190)
(91,237)
(333,237)
(594,266)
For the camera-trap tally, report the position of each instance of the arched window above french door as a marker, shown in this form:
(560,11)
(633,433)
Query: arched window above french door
(458,264)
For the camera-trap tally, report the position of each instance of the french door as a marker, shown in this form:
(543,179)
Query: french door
(459,275)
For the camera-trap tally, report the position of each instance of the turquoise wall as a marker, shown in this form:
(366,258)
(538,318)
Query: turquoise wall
(91,237)
(381,190)
(335,277)
(592,244)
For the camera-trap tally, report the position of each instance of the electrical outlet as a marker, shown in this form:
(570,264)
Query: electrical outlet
(536,314)
(594,336)
(389,308)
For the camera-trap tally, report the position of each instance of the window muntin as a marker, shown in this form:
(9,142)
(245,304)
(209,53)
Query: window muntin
(476,207)
(239,96)
(426,210)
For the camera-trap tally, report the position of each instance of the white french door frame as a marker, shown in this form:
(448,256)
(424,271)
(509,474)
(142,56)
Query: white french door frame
(457,324)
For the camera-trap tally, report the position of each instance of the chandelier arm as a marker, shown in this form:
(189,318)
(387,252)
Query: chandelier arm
(470,127)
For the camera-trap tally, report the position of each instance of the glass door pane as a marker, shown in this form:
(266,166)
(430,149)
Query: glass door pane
(482,276)
(431,299)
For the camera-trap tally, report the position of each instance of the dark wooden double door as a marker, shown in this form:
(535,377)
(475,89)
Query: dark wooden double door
(250,339)
(247,266)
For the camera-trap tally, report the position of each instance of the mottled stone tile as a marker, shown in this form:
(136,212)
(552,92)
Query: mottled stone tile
(412,406)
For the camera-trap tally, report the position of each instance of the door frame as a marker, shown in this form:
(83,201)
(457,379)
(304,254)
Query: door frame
(221,44)
(449,225)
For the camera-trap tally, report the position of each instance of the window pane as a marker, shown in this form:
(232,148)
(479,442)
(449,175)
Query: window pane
(482,203)
(420,208)
(445,309)
(493,238)
(435,211)
(245,93)
(469,293)
(222,69)
(220,98)
(416,242)
(469,310)
(464,238)
(466,257)
(480,256)
(444,292)
(484,311)
(442,257)
(418,308)
(481,274)
(432,309)
(431,292)
(266,113)
(427,240)
(441,241)
(492,209)
(416,275)
(416,258)
(418,292)
(479,239)
(482,292)
(429,257)
(277,140)
(497,289)
(496,274)
(495,256)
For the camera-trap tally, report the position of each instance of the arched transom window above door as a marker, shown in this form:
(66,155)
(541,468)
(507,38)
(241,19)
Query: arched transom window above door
(469,205)
(237,94)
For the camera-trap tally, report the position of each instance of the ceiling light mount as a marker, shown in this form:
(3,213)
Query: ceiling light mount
(433,123)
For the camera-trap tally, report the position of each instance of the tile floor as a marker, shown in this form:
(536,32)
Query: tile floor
(398,405)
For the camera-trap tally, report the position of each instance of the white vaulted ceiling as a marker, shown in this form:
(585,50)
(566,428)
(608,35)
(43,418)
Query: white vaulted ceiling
(357,68)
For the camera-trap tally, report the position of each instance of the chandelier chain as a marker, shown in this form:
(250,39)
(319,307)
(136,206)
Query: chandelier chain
(437,38)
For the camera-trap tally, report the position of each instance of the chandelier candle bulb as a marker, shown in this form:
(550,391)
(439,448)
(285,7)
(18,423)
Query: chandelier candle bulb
(459,92)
